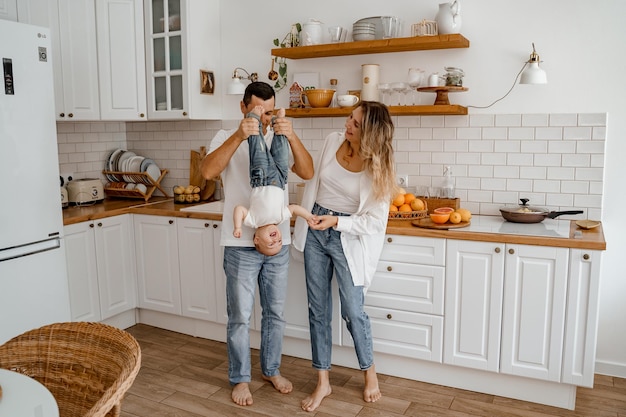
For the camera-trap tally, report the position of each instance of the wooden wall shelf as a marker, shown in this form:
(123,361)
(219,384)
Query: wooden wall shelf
(414,43)
(429,110)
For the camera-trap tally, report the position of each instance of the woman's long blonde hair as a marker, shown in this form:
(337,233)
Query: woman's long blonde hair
(377,148)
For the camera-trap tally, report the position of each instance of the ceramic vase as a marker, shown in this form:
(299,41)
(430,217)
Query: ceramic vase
(449,18)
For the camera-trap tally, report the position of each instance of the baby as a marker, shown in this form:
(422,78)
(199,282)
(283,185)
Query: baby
(268,178)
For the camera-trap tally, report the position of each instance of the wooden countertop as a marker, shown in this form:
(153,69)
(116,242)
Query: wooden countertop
(162,206)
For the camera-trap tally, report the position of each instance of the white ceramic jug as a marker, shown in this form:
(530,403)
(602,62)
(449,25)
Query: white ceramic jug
(311,33)
(449,18)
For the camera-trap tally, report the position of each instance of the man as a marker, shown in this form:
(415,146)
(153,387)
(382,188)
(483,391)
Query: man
(243,264)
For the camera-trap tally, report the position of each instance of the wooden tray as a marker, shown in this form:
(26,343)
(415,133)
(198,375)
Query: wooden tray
(427,223)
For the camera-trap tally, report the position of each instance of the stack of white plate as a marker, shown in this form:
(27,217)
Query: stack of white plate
(363,31)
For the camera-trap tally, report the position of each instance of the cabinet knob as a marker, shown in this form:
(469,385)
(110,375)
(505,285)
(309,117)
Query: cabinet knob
(184,113)
(389,268)
(497,250)
(389,240)
(61,114)
(511,251)
(206,224)
(100,224)
(142,115)
(215,226)
(70,115)
(171,222)
(389,316)
(586,256)
(91,225)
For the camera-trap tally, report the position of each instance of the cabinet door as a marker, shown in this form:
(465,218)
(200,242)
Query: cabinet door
(79,60)
(8,10)
(116,265)
(121,59)
(535,287)
(156,251)
(220,275)
(197,268)
(80,252)
(581,317)
(473,306)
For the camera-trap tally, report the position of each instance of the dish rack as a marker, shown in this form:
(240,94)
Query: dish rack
(137,178)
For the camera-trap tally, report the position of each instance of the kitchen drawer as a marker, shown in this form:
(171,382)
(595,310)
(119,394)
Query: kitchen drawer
(414,250)
(408,287)
(412,335)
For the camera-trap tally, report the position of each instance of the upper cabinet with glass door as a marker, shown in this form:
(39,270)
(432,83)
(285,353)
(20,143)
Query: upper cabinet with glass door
(182,59)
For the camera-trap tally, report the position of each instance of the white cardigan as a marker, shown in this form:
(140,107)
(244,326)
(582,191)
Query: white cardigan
(363,233)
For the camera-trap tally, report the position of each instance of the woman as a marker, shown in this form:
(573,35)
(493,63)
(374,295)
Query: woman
(349,197)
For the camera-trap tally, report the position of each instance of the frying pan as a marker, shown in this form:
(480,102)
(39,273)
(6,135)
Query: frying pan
(524,213)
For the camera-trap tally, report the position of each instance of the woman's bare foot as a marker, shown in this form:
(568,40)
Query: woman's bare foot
(282,384)
(241,394)
(371,392)
(322,390)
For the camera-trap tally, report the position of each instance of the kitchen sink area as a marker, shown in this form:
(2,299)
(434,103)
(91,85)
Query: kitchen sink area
(214,207)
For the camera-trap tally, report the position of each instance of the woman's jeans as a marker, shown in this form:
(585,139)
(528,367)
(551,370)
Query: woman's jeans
(323,253)
(268,166)
(244,268)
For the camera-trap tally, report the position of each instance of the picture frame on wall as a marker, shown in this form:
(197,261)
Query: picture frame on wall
(207,82)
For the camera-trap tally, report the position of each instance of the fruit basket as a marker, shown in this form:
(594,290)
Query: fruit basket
(410,215)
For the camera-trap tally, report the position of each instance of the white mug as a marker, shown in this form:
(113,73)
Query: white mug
(347,100)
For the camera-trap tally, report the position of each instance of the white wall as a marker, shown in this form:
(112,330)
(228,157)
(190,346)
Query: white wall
(581,42)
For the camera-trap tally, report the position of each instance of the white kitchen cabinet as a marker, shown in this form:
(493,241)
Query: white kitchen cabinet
(405,300)
(473,305)
(182,39)
(121,59)
(200,265)
(533,314)
(101,268)
(158,275)
(581,317)
(8,10)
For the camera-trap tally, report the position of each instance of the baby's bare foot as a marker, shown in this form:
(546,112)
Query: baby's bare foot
(280,112)
(258,110)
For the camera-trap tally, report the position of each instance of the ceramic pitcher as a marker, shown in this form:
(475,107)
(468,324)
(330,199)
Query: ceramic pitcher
(449,18)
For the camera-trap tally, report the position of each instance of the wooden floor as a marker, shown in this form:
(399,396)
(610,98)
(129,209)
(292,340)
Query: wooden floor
(184,376)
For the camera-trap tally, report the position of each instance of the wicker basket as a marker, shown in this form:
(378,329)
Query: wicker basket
(410,215)
(86,366)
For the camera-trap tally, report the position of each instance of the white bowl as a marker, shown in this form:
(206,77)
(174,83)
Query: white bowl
(363,37)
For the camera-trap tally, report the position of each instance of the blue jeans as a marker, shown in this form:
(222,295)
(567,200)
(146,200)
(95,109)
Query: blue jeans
(268,166)
(323,253)
(244,268)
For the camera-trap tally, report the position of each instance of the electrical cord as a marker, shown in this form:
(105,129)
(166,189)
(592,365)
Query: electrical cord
(507,93)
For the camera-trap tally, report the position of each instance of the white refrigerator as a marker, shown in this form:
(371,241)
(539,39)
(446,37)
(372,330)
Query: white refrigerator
(33,274)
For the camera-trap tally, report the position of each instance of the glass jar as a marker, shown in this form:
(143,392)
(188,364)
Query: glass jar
(454,76)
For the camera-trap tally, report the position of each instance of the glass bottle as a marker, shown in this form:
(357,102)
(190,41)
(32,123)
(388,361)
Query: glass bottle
(333,86)
(447,185)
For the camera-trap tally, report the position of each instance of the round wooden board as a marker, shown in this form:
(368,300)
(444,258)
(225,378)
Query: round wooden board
(427,223)
(587,224)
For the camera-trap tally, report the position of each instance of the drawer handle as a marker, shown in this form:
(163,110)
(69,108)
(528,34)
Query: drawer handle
(389,268)
(215,226)
(171,222)
(206,224)
(389,240)
(497,250)
(62,115)
(586,256)
(91,225)
(99,224)
(511,251)
(389,316)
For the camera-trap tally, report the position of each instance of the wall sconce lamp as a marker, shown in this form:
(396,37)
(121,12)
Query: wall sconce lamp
(236,86)
(529,74)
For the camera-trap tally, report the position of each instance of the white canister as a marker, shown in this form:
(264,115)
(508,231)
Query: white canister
(311,33)
(370,76)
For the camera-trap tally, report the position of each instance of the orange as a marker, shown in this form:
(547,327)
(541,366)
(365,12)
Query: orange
(405,208)
(439,218)
(398,200)
(417,204)
(392,208)
(443,210)
(408,198)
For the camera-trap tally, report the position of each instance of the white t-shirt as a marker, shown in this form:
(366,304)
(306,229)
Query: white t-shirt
(267,206)
(237,190)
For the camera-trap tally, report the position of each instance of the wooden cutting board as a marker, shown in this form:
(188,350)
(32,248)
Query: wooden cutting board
(207,188)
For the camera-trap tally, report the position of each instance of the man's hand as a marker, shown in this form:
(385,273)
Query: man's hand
(248,127)
(283,126)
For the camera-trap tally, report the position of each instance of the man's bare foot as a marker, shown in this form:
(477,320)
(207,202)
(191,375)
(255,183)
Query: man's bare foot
(371,392)
(322,390)
(282,384)
(241,394)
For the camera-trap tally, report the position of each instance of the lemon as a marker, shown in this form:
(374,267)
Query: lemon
(466,215)
(455,217)
(418,204)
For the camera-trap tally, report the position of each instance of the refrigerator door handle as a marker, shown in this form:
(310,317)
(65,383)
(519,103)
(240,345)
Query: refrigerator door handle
(30,249)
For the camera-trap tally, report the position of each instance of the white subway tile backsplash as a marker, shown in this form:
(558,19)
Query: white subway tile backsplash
(555,160)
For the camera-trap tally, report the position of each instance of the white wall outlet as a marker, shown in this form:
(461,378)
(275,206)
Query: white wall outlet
(67,177)
(403,180)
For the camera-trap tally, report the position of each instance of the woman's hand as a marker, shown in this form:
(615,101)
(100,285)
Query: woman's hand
(322,222)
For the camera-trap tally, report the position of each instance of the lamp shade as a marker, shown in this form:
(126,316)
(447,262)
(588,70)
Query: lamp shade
(532,74)
(236,87)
